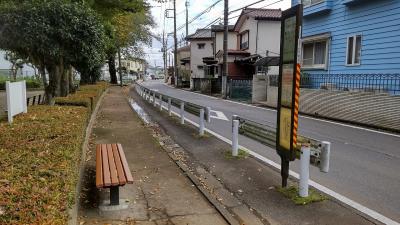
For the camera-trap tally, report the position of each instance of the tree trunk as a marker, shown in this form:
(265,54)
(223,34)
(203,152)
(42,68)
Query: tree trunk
(72,88)
(111,68)
(64,88)
(53,89)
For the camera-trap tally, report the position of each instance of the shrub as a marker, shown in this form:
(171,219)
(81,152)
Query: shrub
(39,154)
(39,160)
(30,84)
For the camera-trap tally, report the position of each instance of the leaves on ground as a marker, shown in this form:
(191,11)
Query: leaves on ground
(291,192)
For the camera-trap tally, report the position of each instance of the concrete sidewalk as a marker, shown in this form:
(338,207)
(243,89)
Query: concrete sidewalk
(161,193)
(237,183)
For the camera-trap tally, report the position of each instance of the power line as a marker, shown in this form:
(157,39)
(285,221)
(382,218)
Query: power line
(199,15)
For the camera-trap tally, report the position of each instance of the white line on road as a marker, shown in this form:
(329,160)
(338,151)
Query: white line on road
(308,117)
(219,115)
(319,187)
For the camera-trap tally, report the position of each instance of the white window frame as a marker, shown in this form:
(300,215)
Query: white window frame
(327,51)
(353,50)
(312,4)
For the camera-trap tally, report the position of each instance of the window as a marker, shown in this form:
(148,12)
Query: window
(129,65)
(315,54)
(201,46)
(200,67)
(311,2)
(244,40)
(353,55)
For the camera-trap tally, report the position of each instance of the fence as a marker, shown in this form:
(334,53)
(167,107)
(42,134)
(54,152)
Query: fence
(35,100)
(207,85)
(378,83)
(315,151)
(240,89)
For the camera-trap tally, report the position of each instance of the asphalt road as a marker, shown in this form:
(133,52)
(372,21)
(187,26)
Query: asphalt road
(365,164)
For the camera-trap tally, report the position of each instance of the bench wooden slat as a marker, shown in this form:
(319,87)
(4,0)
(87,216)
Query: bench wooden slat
(106,167)
(99,167)
(128,174)
(118,164)
(113,168)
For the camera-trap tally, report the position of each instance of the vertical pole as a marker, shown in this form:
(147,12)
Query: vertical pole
(284,170)
(25,106)
(34,100)
(154,99)
(208,112)
(304,170)
(175,49)
(225,49)
(201,122)
(119,66)
(235,137)
(325,156)
(160,102)
(182,111)
(187,17)
(169,106)
(9,97)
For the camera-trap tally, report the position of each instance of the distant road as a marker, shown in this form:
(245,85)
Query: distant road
(365,164)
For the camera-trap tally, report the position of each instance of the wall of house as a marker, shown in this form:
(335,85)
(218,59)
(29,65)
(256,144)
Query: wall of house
(219,41)
(377,21)
(197,55)
(182,55)
(251,25)
(269,37)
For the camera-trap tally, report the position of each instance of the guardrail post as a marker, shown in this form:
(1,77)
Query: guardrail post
(325,156)
(235,137)
(154,99)
(169,106)
(208,112)
(182,111)
(160,102)
(304,170)
(201,123)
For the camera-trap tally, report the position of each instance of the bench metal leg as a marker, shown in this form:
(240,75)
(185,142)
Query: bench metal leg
(114,195)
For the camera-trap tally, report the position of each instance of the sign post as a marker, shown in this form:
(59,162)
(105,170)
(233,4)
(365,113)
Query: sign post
(289,88)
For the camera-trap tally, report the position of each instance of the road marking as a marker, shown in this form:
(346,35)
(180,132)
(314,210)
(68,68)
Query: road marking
(314,184)
(308,117)
(218,115)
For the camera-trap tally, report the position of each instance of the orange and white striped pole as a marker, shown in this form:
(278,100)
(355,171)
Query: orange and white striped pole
(296,105)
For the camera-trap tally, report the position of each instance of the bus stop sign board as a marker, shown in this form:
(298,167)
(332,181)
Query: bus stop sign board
(289,83)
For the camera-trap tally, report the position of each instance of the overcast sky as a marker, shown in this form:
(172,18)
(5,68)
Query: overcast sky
(153,54)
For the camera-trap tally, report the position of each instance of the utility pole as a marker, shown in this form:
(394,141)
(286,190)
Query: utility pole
(187,18)
(164,56)
(175,49)
(225,59)
(119,66)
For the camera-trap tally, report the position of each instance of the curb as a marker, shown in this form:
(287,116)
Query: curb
(73,211)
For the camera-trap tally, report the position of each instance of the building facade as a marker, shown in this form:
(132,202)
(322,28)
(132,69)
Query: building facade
(350,36)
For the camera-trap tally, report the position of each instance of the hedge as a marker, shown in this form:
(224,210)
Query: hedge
(30,84)
(39,159)
(84,96)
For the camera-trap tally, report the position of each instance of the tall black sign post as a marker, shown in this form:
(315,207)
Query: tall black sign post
(289,88)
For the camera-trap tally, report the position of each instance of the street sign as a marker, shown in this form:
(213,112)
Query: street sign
(289,89)
(289,85)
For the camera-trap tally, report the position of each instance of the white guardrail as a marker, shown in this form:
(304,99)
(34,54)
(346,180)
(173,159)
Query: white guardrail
(309,150)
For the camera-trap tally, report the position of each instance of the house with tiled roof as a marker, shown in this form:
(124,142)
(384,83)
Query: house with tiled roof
(201,46)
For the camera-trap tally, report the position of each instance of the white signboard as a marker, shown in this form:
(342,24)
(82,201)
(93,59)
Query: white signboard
(16,99)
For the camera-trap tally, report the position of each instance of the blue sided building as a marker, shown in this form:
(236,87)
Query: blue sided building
(351,44)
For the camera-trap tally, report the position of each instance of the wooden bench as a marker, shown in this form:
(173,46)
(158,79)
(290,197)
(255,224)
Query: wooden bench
(112,169)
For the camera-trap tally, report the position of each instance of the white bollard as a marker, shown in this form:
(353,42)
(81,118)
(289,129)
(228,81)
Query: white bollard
(169,107)
(160,102)
(235,137)
(182,112)
(304,170)
(154,99)
(201,123)
(325,156)
(208,112)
